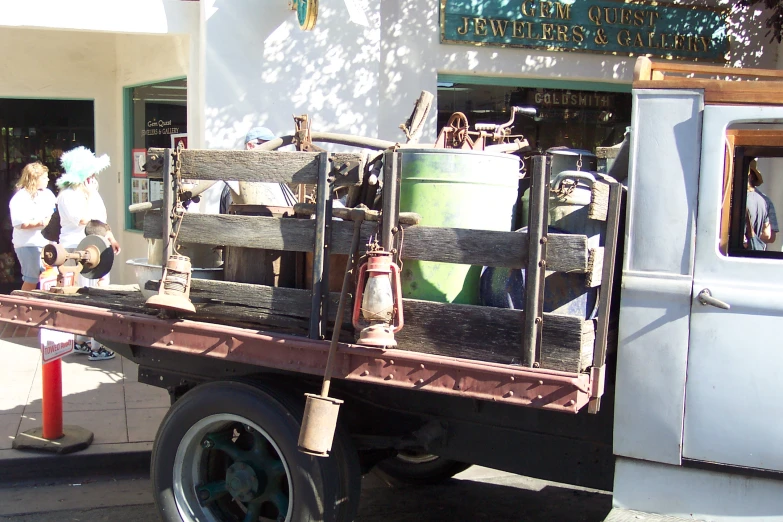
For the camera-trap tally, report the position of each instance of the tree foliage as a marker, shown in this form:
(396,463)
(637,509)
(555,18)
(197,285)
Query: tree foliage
(775,21)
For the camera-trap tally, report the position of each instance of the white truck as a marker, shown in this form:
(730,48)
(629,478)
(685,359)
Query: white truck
(668,397)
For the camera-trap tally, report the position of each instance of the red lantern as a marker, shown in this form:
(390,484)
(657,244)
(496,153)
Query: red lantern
(377,308)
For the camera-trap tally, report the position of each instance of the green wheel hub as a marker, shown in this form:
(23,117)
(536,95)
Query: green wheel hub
(232,470)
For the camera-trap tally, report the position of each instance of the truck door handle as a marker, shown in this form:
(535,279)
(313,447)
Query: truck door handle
(705,298)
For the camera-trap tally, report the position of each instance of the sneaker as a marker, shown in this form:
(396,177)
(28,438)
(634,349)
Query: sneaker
(82,348)
(101,354)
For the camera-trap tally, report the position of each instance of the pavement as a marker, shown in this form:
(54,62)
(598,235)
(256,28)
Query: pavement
(104,397)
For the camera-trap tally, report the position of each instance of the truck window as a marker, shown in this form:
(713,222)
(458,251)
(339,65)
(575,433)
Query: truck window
(752,192)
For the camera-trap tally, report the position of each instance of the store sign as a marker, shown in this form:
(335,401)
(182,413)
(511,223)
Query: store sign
(605,26)
(160,127)
(552,98)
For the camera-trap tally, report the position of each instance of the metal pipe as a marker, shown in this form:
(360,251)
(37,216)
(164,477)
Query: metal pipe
(358,217)
(325,285)
(536,261)
(188,194)
(391,197)
(308,209)
(168,207)
(318,247)
(331,137)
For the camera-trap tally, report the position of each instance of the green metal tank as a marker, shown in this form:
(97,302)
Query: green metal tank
(455,189)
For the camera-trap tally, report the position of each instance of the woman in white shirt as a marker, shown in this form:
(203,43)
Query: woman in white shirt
(31,208)
(78,204)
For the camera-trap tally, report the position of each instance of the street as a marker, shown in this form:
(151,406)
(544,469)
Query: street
(477,494)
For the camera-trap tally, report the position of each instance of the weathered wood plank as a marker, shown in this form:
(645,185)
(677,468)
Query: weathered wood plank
(259,232)
(466,331)
(599,201)
(565,252)
(603,335)
(270,167)
(595,267)
(492,334)
(271,233)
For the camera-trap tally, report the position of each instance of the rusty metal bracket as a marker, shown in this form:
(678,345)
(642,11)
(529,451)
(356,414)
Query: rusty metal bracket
(537,388)
(302,135)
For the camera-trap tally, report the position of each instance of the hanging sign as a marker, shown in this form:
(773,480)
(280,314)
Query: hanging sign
(306,13)
(602,26)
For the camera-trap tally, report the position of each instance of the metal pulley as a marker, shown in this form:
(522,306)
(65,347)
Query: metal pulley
(93,257)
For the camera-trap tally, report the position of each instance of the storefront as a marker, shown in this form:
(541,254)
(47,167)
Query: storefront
(156,116)
(100,55)
(154,69)
(35,130)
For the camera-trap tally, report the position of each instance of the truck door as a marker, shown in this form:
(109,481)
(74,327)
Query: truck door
(734,389)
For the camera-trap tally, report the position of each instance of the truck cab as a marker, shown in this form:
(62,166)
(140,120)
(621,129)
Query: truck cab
(697,417)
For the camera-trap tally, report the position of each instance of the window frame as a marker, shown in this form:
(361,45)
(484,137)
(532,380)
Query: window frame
(127,144)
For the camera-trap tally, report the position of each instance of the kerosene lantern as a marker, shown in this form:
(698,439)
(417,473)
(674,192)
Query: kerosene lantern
(174,292)
(377,310)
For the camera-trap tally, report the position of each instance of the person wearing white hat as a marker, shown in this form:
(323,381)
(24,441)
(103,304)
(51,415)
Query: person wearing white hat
(79,203)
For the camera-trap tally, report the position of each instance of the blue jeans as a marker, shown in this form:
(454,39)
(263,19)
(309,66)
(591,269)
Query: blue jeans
(30,261)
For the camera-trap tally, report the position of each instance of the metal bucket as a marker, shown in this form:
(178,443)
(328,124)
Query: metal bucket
(569,203)
(455,189)
(571,159)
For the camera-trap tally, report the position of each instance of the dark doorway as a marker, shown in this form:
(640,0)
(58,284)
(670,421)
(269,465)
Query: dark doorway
(35,130)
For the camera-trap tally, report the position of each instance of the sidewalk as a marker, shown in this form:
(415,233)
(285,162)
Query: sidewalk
(104,397)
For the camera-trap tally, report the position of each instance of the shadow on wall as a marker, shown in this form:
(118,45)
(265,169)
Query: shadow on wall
(261,68)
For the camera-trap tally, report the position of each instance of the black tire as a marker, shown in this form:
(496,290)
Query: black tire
(418,469)
(223,409)
(343,454)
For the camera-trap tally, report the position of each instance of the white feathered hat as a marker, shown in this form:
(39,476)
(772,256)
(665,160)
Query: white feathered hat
(79,164)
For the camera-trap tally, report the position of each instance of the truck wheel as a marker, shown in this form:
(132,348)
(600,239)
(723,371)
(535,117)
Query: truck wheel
(418,468)
(227,451)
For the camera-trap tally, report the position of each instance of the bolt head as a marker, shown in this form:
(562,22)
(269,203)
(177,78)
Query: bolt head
(206,444)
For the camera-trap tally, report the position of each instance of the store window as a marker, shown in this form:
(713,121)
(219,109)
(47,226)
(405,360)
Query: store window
(752,191)
(578,118)
(35,130)
(156,116)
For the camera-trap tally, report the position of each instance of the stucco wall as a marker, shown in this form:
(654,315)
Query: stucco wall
(83,63)
(66,65)
(261,69)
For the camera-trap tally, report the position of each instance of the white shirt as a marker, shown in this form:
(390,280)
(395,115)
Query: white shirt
(75,206)
(25,209)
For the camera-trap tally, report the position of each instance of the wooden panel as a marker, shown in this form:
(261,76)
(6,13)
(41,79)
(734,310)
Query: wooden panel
(272,167)
(753,137)
(646,69)
(465,331)
(595,267)
(240,231)
(718,92)
(493,334)
(565,252)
